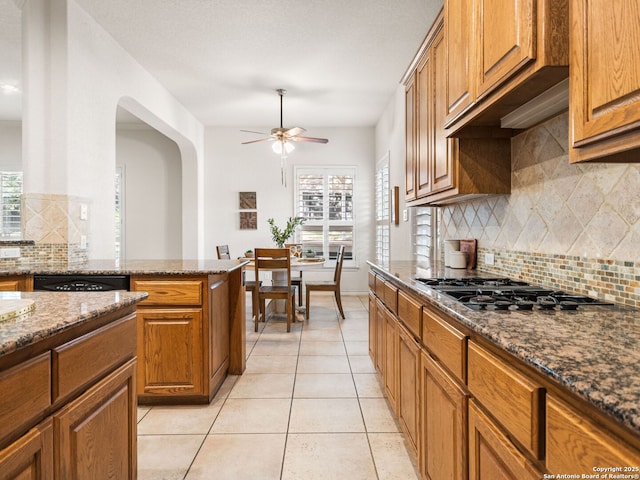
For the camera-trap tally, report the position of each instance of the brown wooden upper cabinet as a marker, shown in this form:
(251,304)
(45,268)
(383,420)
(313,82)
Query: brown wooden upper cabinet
(500,55)
(604,86)
(441,170)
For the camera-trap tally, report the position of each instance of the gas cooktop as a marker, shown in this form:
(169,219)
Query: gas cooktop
(506,294)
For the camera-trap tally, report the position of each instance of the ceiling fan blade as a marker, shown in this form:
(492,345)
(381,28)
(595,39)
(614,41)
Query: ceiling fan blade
(292,132)
(309,139)
(259,140)
(251,131)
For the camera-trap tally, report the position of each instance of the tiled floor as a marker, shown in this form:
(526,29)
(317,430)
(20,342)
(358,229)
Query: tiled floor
(309,406)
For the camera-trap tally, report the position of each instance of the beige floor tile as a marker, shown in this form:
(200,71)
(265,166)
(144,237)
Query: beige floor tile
(357,347)
(368,385)
(328,456)
(361,364)
(378,417)
(272,364)
(179,420)
(309,347)
(142,411)
(324,335)
(324,385)
(276,347)
(239,457)
(325,415)
(392,459)
(263,385)
(166,457)
(323,364)
(245,415)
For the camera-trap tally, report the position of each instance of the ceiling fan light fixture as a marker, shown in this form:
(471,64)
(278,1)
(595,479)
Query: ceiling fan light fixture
(280,144)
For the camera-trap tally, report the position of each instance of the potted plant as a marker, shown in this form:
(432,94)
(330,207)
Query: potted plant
(248,254)
(281,236)
(309,253)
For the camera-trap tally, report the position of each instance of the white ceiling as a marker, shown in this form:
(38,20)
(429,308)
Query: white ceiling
(339,60)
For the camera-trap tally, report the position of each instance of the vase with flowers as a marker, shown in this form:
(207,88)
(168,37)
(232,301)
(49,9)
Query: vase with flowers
(280,236)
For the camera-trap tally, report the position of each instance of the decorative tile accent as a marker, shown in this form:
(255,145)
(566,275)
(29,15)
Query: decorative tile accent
(561,223)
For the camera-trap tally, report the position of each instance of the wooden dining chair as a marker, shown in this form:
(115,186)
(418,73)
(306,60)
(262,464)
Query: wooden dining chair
(328,285)
(249,285)
(274,259)
(296,280)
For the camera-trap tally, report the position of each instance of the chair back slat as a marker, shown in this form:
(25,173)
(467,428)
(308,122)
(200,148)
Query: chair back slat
(338,272)
(273,259)
(223,252)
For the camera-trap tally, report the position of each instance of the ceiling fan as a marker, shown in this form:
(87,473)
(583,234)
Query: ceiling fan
(282,138)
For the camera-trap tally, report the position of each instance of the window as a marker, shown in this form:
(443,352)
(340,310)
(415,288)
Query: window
(324,197)
(119,191)
(383,209)
(10,193)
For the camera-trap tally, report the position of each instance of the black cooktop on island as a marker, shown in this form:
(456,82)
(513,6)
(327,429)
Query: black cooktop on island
(506,294)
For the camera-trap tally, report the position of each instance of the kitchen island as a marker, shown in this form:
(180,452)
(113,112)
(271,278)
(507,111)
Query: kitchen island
(67,390)
(505,394)
(191,329)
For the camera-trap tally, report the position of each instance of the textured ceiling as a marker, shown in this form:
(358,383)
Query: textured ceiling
(339,60)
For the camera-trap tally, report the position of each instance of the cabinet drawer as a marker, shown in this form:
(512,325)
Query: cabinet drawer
(372,281)
(79,362)
(410,313)
(167,292)
(391,297)
(26,393)
(379,282)
(509,396)
(575,445)
(447,343)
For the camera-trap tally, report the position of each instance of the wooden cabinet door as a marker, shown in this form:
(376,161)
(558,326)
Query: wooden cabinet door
(373,330)
(390,365)
(380,342)
(459,94)
(443,448)
(575,445)
(410,140)
(445,152)
(219,331)
(408,387)
(21,283)
(424,124)
(604,76)
(95,435)
(170,352)
(504,40)
(491,454)
(31,456)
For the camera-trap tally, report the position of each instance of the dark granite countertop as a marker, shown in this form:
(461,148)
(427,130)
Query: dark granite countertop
(55,312)
(594,352)
(134,267)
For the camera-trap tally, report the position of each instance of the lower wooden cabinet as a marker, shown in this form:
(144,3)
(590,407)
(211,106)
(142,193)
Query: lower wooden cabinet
(380,324)
(373,328)
(218,333)
(492,456)
(390,356)
(409,387)
(16,283)
(31,456)
(89,443)
(170,352)
(443,448)
(576,445)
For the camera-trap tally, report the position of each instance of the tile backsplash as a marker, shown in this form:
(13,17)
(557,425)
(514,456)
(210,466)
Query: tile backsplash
(575,227)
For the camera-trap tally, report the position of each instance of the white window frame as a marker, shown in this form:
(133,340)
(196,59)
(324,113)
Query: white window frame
(119,199)
(14,235)
(383,211)
(325,171)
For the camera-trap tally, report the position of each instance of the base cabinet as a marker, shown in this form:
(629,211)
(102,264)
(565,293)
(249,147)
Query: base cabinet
(31,456)
(409,387)
(491,454)
(443,450)
(390,363)
(89,443)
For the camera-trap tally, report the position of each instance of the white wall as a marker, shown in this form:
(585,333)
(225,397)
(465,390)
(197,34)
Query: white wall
(231,167)
(390,137)
(152,194)
(83,90)
(10,146)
